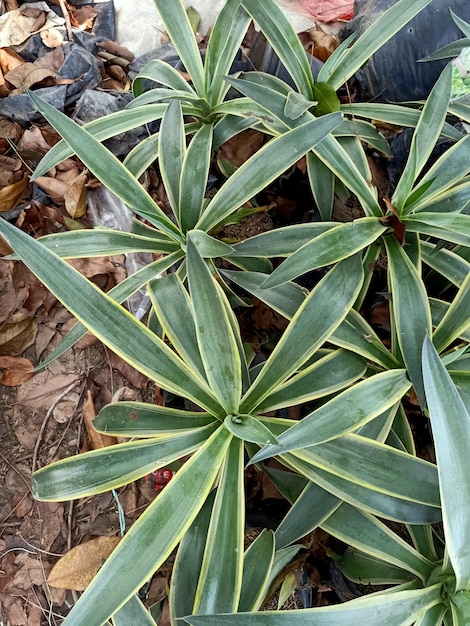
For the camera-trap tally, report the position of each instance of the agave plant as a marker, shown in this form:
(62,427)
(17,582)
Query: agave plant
(429,581)
(207,365)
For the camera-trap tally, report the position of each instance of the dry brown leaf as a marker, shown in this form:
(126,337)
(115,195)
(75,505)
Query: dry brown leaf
(12,194)
(31,12)
(15,370)
(76,196)
(83,17)
(97,440)
(241,147)
(76,569)
(17,336)
(39,22)
(52,38)
(323,44)
(9,59)
(33,141)
(51,60)
(26,75)
(54,188)
(113,48)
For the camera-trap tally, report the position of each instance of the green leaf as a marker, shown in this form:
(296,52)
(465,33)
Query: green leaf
(215,333)
(144,350)
(355,334)
(225,40)
(114,466)
(154,536)
(456,321)
(187,566)
(328,248)
(434,616)
(284,299)
(312,507)
(425,137)
(389,23)
(368,570)
(395,114)
(101,129)
(119,293)
(326,376)
(297,104)
(133,612)
(195,170)
(83,244)
(169,295)
(161,72)
(257,564)
(178,27)
(380,504)
(345,412)
(322,184)
(410,310)
(315,320)
(263,167)
(285,42)
(281,241)
(328,101)
(378,467)
(248,428)
(220,579)
(106,167)
(447,171)
(366,132)
(209,247)
(171,154)
(400,608)
(453,227)
(446,262)
(363,532)
(450,423)
(139,419)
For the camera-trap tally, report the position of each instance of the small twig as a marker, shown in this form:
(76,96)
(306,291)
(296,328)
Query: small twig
(46,419)
(68,24)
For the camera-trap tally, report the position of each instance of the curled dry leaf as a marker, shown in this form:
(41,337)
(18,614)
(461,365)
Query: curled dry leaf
(12,194)
(15,370)
(9,60)
(76,196)
(17,336)
(55,189)
(76,569)
(52,38)
(323,44)
(97,440)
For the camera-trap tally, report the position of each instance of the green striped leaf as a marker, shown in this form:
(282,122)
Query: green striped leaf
(400,608)
(345,412)
(171,154)
(106,167)
(257,565)
(154,535)
(139,419)
(220,579)
(328,248)
(450,426)
(215,333)
(114,466)
(141,348)
(178,27)
(262,168)
(410,310)
(316,319)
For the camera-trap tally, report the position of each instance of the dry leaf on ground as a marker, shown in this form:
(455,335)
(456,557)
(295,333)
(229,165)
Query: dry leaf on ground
(76,569)
(15,370)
